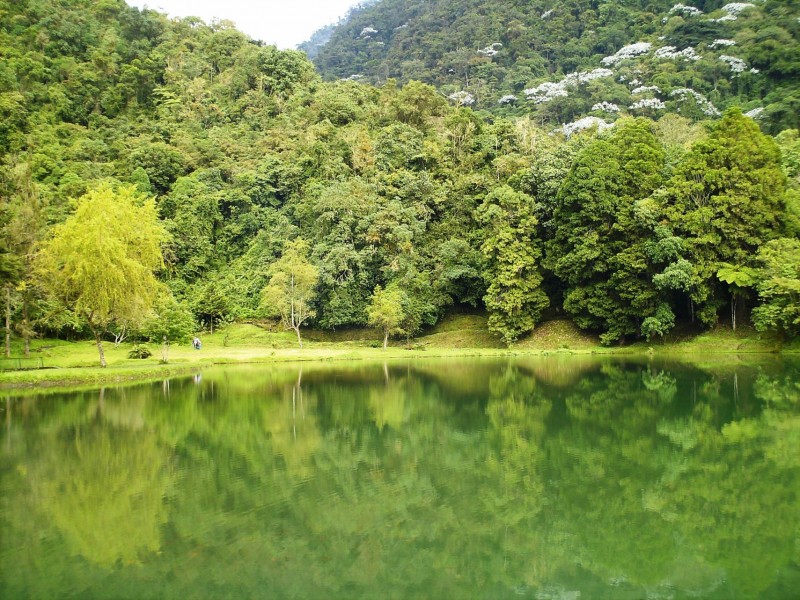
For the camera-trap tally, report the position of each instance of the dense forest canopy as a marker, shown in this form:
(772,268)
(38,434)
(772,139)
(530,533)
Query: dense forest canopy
(561,61)
(248,152)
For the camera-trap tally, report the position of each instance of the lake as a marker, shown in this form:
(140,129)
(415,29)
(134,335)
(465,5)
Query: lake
(559,477)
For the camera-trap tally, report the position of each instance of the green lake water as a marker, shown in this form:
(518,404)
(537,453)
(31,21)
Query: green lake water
(561,477)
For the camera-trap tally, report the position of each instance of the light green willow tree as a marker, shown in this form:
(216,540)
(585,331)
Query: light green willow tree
(100,262)
(292,287)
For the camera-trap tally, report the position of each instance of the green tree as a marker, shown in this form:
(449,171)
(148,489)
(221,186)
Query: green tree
(459,271)
(291,290)
(514,298)
(778,285)
(192,215)
(101,262)
(161,163)
(601,224)
(10,270)
(170,321)
(739,280)
(726,200)
(385,310)
(416,102)
(789,142)
(23,231)
(340,217)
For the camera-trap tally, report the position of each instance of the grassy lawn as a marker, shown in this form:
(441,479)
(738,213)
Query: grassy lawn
(71,363)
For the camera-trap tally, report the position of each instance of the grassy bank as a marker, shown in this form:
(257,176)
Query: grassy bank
(75,363)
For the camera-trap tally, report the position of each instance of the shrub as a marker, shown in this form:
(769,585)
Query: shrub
(140,351)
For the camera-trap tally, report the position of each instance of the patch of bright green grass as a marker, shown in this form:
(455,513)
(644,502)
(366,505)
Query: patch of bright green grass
(460,331)
(559,334)
(363,335)
(457,335)
(247,334)
(720,339)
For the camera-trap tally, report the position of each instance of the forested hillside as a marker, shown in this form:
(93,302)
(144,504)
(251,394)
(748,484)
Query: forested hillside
(560,61)
(393,202)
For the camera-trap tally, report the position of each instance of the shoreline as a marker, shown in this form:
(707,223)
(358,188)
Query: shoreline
(89,376)
(70,364)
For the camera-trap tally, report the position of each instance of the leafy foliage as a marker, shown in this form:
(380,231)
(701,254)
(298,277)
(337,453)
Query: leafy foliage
(726,200)
(170,321)
(385,311)
(101,262)
(514,297)
(291,288)
(603,221)
(696,58)
(140,351)
(245,147)
(778,285)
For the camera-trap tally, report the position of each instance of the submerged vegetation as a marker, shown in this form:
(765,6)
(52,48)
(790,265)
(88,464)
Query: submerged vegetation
(270,193)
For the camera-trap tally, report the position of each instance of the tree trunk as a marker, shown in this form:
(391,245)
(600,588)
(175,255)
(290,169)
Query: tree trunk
(385,338)
(99,347)
(8,322)
(120,336)
(733,313)
(294,323)
(26,334)
(299,341)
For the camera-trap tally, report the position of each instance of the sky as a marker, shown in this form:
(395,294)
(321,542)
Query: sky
(284,23)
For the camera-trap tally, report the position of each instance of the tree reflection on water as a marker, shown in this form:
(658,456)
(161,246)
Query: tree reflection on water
(533,477)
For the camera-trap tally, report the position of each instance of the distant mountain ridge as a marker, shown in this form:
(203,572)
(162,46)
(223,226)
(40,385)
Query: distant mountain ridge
(514,56)
(323,35)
